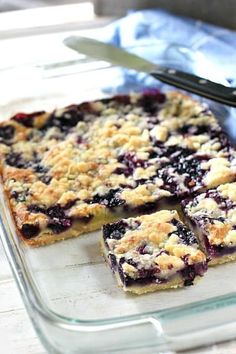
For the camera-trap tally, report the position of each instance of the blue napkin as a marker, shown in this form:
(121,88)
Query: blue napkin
(157,34)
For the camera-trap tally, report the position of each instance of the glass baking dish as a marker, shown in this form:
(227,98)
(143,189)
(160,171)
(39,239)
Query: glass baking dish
(68,290)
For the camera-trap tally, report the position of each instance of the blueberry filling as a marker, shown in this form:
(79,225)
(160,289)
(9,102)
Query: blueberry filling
(223,203)
(186,236)
(15,160)
(150,276)
(34,208)
(190,272)
(190,166)
(146,208)
(19,197)
(170,183)
(145,276)
(67,120)
(7,132)
(85,219)
(45,179)
(30,230)
(115,230)
(58,221)
(80,140)
(58,225)
(188,275)
(124,99)
(26,119)
(173,152)
(110,199)
(151,100)
(70,204)
(131,162)
(215,251)
(221,137)
(143,249)
(194,129)
(112,261)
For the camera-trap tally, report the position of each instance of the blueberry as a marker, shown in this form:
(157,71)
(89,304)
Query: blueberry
(186,236)
(131,162)
(113,261)
(224,204)
(15,160)
(194,129)
(190,166)
(39,168)
(58,225)
(26,119)
(70,204)
(142,249)
(34,208)
(221,137)
(30,230)
(58,221)
(148,273)
(169,181)
(124,99)
(151,100)
(146,208)
(69,119)
(85,219)
(45,179)
(188,274)
(19,197)
(56,211)
(80,140)
(110,199)
(7,132)
(115,230)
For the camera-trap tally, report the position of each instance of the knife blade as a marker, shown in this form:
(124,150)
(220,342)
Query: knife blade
(120,57)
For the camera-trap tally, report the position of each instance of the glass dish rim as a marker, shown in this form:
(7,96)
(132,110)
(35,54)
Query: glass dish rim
(33,300)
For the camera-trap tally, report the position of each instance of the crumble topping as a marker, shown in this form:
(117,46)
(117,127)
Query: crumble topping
(154,247)
(125,152)
(214,212)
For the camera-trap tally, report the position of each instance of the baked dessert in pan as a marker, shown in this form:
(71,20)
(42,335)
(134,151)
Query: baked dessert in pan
(75,169)
(72,170)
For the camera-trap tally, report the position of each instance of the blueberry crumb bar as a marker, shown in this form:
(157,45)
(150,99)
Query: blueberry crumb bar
(153,252)
(70,171)
(212,216)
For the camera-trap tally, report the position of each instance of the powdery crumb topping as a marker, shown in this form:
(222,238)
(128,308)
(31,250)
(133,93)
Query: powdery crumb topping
(78,154)
(221,170)
(215,212)
(157,235)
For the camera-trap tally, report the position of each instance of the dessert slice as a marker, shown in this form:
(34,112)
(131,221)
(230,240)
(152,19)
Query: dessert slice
(153,252)
(188,173)
(212,216)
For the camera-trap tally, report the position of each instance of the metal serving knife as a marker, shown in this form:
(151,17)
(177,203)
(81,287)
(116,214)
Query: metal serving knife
(117,56)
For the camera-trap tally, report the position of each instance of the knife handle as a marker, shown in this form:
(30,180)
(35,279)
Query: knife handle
(197,85)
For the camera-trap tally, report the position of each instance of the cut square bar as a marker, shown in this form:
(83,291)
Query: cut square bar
(153,252)
(212,216)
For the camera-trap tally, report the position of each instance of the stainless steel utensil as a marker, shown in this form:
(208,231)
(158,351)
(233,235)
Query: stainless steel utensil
(180,79)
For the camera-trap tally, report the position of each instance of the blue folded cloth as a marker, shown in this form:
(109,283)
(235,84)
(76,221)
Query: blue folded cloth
(147,32)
